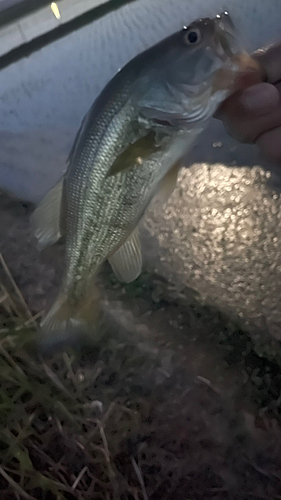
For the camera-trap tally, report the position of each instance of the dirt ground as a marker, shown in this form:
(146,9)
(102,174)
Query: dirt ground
(172,401)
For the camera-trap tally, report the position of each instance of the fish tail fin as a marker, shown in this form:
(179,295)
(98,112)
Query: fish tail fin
(67,322)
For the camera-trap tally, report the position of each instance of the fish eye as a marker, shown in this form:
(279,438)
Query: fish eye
(192,36)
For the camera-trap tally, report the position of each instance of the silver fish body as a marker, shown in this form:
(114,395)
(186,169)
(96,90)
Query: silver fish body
(103,209)
(128,149)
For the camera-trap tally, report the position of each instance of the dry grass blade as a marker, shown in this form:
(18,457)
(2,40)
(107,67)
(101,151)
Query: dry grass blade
(30,321)
(79,477)
(4,298)
(208,383)
(106,450)
(17,290)
(8,304)
(136,496)
(11,361)
(15,485)
(140,478)
(56,381)
(4,330)
(111,473)
(52,465)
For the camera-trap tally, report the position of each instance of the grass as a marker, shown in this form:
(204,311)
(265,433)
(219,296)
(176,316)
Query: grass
(127,418)
(14,310)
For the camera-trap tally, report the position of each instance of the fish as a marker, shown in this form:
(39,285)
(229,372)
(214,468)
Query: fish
(44,96)
(128,151)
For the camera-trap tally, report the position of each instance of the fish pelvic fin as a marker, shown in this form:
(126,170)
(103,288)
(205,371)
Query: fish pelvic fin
(68,322)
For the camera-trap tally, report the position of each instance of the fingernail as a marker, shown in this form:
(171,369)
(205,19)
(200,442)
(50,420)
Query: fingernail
(260,98)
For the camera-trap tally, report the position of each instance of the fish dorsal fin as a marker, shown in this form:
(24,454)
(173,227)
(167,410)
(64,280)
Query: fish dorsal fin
(46,217)
(135,153)
(126,262)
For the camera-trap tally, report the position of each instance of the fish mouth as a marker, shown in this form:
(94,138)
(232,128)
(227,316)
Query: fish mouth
(225,37)
(242,68)
(236,62)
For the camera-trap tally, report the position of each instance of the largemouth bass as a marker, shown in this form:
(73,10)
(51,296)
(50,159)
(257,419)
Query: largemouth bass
(128,150)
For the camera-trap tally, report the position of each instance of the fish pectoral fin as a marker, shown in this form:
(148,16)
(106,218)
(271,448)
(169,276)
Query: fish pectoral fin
(46,217)
(126,262)
(135,154)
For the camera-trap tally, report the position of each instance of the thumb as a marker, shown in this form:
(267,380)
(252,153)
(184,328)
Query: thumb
(270,59)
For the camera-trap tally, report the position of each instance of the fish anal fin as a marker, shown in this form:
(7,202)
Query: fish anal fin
(47,216)
(126,262)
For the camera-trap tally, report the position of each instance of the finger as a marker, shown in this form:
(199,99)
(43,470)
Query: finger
(270,144)
(259,99)
(256,101)
(246,126)
(270,59)
(242,82)
(247,130)
(247,79)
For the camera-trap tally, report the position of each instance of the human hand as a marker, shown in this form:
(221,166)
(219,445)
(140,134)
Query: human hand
(253,114)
